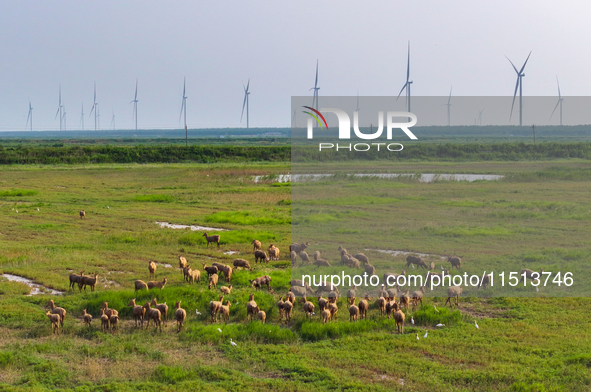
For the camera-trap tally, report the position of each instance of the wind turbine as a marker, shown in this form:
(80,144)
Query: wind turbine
(30,117)
(560,99)
(184,109)
(95,109)
(315,88)
(245,103)
(135,106)
(519,85)
(408,81)
(480,117)
(113,120)
(448,104)
(82,117)
(60,108)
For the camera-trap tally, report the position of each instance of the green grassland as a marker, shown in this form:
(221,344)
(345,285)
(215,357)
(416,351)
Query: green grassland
(523,344)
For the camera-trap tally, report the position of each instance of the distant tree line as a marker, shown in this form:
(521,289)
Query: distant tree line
(69,154)
(141,154)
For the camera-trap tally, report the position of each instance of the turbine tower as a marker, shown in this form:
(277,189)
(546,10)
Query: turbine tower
(519,85)
(64,117)
(135,106)
(315,88)
(245,103)
(60,108)
(408,81)
(82,117)
(95,109)
(480,117)
(448,104)
(559,103)
(184,110)
(30,117)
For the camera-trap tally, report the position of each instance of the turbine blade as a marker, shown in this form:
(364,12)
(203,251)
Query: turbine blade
(182,107)
(403,87)
(184,86)
(449,99)
(515,68)
(135,99)
(557,103)
(522,68)
(316,81)
(558,84)
(514,95)
(56,113)
(408,64)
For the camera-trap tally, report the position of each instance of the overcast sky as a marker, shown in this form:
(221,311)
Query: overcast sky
(218,46)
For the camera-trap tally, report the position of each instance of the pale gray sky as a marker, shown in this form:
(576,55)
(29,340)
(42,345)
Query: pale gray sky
(361,46)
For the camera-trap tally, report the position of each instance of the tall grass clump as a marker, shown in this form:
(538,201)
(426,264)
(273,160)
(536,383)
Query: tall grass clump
(427,315)
(464,231)
(18,192)
(154,198)
(250,218)
(254,332)
(314,331)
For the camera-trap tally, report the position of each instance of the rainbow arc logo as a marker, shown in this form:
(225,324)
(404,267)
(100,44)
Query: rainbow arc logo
(318,114)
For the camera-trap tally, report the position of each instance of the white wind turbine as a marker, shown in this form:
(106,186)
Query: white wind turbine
(245,103)
(315,88)
(408,81)
(95,109)
(184,110)
(60,108)
(519,85)
(559,103)
(448,104)
(135,101)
